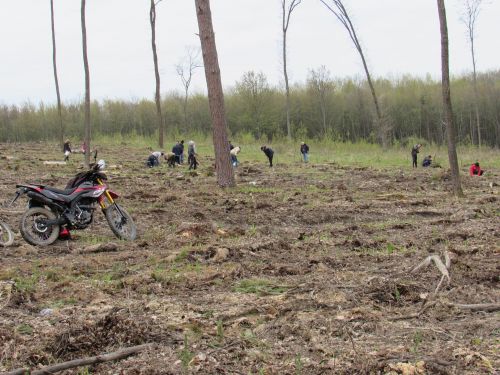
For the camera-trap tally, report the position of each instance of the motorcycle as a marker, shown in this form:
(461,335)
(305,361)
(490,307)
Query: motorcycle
(53,212)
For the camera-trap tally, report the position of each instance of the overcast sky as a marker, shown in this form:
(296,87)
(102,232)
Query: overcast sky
(398,36)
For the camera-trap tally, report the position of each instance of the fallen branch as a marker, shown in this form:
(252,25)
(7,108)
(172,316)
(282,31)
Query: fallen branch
(488,307)
(99,248)
(416,315)
(120,354)
(442,267)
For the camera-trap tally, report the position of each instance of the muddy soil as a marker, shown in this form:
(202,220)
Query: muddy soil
(300,269)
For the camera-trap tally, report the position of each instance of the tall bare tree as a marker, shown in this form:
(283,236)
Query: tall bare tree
(87,87)
(185,70)
(287,10)
(54,64)
(339,10)
(152,20)
(469,18)
(447,109)
(225,173)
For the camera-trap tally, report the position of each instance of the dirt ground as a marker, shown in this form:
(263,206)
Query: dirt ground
(300,269)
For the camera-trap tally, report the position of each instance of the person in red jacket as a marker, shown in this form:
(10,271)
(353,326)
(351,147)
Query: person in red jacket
(475,170)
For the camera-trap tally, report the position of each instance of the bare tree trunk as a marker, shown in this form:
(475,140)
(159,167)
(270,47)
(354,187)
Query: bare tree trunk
(448,112)
(152,19)
(286,14)
(87,87)
(225,173)
(341,13)
(472,9)
(54,64)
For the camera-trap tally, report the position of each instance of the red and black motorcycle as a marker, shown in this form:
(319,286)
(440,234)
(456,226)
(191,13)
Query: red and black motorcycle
(53,211)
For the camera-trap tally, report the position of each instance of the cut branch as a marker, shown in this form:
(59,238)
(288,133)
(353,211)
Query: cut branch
(120,354)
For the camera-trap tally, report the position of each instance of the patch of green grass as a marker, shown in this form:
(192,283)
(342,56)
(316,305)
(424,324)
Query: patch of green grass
(63,302)
(247,189)
(26,284)
(299,365)
(24,329)
(259,287)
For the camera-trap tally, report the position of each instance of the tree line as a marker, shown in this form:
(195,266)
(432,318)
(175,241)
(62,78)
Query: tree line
(322,107)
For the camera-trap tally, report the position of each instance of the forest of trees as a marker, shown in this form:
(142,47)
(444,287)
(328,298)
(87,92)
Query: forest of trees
(323,107)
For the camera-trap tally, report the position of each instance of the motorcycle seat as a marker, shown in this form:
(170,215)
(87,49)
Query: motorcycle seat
(61,191)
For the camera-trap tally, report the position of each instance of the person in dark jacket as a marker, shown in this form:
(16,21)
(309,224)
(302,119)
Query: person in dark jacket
(414,151)
(67,149)
(269,153)
(177,150)
(193,163)
(304,150)
(427,161)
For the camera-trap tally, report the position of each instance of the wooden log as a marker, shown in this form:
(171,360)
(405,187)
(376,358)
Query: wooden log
(54,162)
(113,356)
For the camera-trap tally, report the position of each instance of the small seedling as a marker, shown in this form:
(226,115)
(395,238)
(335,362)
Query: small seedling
(220,330)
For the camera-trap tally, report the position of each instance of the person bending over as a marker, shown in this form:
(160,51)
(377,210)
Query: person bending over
(475,169)
(269,153)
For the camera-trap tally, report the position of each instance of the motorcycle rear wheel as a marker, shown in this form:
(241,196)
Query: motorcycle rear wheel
(122,226)
(34,231)
(6,235)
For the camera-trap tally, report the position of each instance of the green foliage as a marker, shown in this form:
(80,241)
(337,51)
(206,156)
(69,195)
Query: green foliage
(259,286)
(323,108)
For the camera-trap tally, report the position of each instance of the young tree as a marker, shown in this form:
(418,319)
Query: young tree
(54,64)
(152,19)
(339,10)
(87,87)
(185,70)
(322,85)
(225,173)
(448,112)
(254,89)
(286,14)
(469,18)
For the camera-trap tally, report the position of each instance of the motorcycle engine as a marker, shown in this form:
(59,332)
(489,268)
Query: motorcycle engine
(83,213)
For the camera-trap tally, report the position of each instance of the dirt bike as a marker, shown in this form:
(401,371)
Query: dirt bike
(52,211)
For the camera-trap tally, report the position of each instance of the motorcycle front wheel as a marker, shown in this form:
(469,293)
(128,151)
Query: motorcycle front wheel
(34,230)
(6,235)
(120,222)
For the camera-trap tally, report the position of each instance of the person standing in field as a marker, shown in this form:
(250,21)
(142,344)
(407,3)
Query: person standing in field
(193,163)
(67,149)
(269,153)
(177,150)
(414,151)
(304,150)
(234,155)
